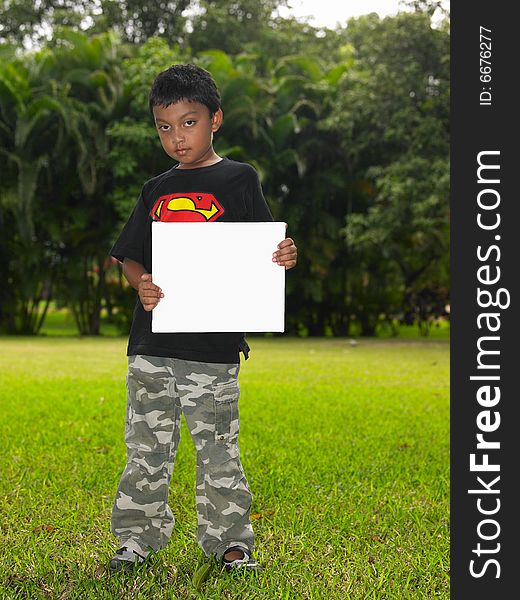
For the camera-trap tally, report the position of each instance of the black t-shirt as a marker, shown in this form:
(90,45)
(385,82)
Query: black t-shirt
(225,191)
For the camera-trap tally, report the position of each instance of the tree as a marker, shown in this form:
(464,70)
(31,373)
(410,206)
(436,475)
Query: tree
(82,184)
(391,117)
(136,21)
(26,22)
(32,129)
(230,25)
(60,102)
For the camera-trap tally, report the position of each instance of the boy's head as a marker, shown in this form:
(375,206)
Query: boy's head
(185,105)
(185,82)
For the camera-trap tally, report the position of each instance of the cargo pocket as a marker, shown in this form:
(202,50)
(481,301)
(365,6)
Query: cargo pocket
(226,412)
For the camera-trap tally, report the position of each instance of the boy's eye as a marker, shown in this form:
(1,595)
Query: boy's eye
(189,123)
(161,127)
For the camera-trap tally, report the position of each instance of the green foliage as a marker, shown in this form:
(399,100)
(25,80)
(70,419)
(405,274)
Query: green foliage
(349,130)
(229,25)
(391,114)
(24,20)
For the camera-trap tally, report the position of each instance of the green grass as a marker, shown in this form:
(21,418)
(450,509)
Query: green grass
(60,322)
(346,450)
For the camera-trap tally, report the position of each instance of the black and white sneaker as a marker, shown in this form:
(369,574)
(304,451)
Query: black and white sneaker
(246,562)
(125,560)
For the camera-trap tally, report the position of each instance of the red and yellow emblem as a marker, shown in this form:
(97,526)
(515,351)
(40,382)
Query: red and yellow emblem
(190,207)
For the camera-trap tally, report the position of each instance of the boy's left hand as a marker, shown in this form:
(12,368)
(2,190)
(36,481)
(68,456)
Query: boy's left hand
(287,254)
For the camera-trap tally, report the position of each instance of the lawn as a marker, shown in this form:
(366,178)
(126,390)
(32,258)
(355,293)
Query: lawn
(346,450)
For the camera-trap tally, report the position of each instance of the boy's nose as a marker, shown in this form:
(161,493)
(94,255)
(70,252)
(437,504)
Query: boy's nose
(177,135)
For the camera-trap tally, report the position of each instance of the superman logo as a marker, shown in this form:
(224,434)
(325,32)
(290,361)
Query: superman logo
(189,207)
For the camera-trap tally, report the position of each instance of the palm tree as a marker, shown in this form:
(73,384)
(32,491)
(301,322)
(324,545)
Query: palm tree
(89,69)
(56,106)
(32,128)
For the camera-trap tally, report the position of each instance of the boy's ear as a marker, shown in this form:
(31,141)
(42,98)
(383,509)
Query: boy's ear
(216,120)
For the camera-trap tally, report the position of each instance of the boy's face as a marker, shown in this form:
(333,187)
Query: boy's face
(186,132)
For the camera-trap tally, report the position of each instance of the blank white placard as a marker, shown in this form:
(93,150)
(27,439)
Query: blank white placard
(218,277)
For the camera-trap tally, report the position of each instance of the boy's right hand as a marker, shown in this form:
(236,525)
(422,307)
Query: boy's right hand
(149,293)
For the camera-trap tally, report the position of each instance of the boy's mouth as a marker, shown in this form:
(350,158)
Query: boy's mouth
(181,151)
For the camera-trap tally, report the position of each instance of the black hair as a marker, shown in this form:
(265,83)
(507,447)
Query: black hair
(184,82)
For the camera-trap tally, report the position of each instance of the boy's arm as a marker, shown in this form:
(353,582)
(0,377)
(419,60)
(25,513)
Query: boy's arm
(139,279)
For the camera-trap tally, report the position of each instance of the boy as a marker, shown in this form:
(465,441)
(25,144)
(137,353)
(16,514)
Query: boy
(185,373)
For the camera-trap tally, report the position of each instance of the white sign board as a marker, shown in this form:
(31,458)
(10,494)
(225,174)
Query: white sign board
(218,277)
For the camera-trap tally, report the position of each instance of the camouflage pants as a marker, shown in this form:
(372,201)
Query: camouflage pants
(159,391)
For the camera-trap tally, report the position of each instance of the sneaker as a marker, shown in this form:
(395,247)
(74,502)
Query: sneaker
(246,562)
(125,560)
